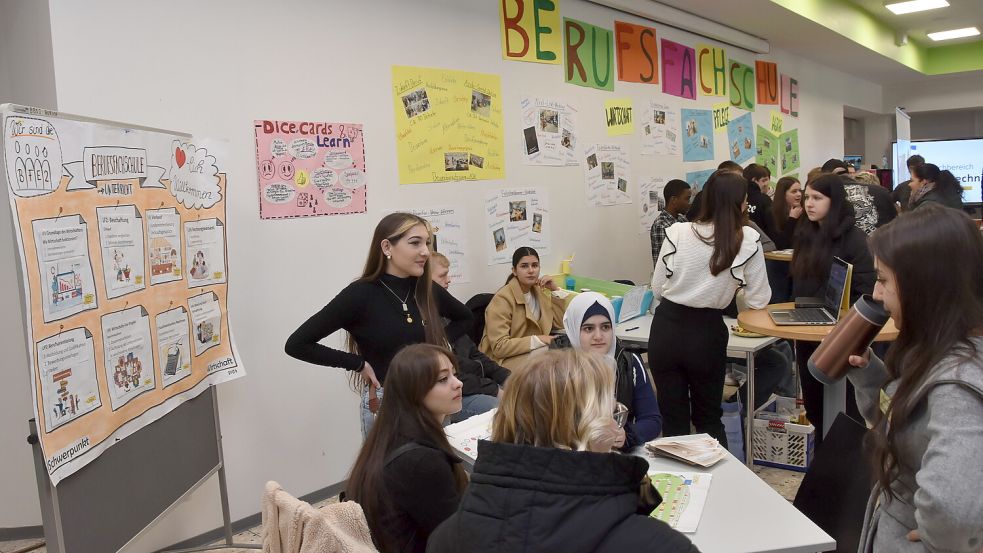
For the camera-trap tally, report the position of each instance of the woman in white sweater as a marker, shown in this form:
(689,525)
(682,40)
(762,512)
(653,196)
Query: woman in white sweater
(701,266)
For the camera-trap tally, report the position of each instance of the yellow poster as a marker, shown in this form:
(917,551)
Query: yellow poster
(776,122)
(721,116)
(618,116)
(530,30)
(448,125)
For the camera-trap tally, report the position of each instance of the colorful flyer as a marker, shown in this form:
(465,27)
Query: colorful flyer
(740,139)
(697,133)
(206,322)
(549,132)
(650,201)
(164,243)
(516,217)
(660,130)
(767,149)
(173,345)
(307,168)
(205,240)
(448,125)
(607,170)
(64,267)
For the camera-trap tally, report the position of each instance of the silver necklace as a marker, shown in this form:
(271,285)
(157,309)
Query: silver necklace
(406,310)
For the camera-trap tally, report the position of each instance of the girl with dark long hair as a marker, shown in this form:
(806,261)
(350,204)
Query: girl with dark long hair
(925,400)
(930,185)
(828,231)
(394,303)
(407,478)
(786,210)
(701,266)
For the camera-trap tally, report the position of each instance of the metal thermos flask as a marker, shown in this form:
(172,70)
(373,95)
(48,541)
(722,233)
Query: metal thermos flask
(851,336)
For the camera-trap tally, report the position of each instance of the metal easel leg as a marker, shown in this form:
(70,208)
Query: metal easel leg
(749,419)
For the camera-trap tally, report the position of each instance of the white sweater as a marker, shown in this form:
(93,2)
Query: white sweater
(682,274)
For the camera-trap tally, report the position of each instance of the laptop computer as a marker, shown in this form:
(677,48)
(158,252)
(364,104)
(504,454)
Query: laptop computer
(829,312)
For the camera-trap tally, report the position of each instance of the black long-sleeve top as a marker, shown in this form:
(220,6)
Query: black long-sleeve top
(374,317)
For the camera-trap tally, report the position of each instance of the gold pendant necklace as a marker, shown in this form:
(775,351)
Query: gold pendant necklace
(406,310)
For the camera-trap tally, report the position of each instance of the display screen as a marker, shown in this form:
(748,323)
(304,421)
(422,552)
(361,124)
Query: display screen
(963,158)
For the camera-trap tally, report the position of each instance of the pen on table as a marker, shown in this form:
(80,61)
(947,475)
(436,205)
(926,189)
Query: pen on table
(632,328)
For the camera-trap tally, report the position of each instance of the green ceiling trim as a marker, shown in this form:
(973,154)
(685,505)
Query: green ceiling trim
(849,20)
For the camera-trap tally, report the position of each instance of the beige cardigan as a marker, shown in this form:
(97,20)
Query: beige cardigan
(508,323)
(293,526)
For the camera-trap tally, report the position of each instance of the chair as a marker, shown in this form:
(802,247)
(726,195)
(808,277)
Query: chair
(294,526)
(477,304)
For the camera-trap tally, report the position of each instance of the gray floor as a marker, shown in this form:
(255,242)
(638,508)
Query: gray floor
(784,482)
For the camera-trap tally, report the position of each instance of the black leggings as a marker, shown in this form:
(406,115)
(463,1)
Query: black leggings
(688,356)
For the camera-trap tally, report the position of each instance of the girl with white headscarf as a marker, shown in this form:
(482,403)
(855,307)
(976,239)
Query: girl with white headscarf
(589,326)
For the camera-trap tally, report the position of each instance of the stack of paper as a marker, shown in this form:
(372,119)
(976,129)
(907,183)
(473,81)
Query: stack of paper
(699,449)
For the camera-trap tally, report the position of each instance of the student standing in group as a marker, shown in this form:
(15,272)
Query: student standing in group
(394,303)
(929,185)
(589,325)
(925,401)
(828,231)
(758,179)
(872,204)
(523,313)
(482,377)
(407,478)
(697,204)
(677,194)
(902,192)
(701,266)
(547,481)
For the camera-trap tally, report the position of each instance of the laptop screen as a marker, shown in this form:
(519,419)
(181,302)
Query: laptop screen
(835,286)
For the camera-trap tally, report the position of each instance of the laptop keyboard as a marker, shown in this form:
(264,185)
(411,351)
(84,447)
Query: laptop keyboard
(808,315)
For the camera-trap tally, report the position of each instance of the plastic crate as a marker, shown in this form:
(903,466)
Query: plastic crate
(782,444)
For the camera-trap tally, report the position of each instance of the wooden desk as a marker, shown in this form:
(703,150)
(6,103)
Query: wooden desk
(834,398)
(779,255)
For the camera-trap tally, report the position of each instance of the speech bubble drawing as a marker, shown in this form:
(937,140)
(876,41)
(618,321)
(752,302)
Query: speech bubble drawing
(33,153)
(338,197)
(352,178)
(194,176)
(303,148)
(338,159)
(279,192)
(324,178)
(278,147)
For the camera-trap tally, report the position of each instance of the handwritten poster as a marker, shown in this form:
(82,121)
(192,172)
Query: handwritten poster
(740,138)
(777,122)
(660,130)
(607,168)
(448,125)
(516,217)
(618,116)
(308,168)
(650,201)
(449,238)
(721,116)
(697,133)
(117,230)
(767,149)
(549,132)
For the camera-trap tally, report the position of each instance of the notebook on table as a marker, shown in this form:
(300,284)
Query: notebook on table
(836,300)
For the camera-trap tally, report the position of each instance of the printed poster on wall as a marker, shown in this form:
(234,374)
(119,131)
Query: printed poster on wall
(307,168)
(740,138)
(788,142)
(448,125)
(697,132)
(516,217)
(660,130)
(650,201)
(607,169)
(767,149)
(449,238)
(696,179)
(102,213)
(549,132)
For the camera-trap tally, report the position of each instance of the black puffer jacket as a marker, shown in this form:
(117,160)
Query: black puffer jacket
(525,499)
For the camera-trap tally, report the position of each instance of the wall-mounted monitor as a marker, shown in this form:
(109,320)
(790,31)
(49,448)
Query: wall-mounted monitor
(962,157)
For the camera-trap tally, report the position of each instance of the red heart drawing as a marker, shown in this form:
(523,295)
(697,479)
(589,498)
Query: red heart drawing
(180,157)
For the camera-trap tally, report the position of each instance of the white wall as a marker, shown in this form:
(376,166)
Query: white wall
(211,68)
(958,91)
(27,77)
(940,125)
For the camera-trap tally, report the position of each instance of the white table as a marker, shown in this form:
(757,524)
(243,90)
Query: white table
(743,514)
(636,331)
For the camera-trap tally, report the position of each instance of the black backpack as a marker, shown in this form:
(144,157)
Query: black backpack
(477,304)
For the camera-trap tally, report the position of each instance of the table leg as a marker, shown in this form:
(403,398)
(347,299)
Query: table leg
(749,407)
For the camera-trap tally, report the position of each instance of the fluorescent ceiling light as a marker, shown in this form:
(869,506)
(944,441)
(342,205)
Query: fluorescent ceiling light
(954,33)
(912,6)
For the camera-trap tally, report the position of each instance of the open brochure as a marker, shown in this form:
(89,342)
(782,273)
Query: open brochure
(463,436)
(698,450)
(684,495)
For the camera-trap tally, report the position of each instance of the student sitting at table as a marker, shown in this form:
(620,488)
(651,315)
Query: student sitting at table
(482,377)
(589,327)
(523,313)
(701,266)
(925,400)
(407,478)
(547,481)
(677,196)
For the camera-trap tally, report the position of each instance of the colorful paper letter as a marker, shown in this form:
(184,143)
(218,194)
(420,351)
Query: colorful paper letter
(678,69)
(637,53)
(538,19)
(713,70)
(790,96)
(583,41)
(767,73)
(741,85)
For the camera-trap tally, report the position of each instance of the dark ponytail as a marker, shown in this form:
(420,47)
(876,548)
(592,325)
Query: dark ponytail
(945,182)
(517,256)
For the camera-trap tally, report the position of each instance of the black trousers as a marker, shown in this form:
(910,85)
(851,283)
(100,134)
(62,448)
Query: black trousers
(813,391)
(688,356)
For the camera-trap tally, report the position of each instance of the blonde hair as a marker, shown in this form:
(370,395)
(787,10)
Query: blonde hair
(561,399)
(866,178)
(440,259)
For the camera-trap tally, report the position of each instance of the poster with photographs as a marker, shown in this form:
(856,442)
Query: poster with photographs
(516,217)
(549,132)
(697,132)
(697,179)
(767,149)
(740,139)
(659,130)
(449,239)
(448,125)
(651,201)
(108,218)
(607,169)
(788,143)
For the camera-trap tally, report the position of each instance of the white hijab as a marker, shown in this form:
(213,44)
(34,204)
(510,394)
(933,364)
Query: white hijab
(573,318)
